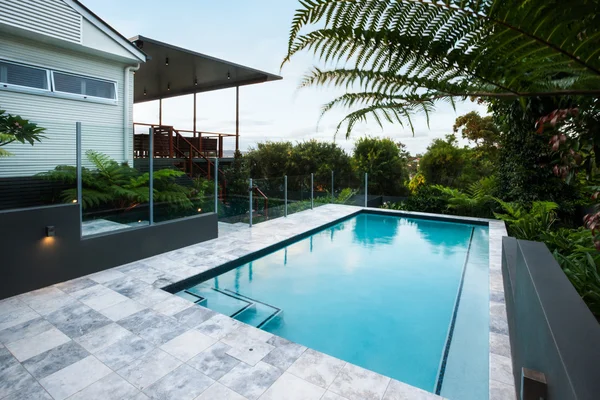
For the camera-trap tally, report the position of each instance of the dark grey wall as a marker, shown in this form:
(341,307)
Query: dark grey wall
(29,260)
(552,330)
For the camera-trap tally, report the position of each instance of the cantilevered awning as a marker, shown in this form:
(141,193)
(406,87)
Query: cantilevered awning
(172,71)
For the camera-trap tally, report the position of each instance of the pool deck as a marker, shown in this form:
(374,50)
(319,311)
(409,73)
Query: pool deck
(116,335)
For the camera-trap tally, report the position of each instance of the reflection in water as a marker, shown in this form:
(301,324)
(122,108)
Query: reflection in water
(238,273)
(217,282)
(386,229)
(311,244)
(285,256)
(250,271)
(442,236)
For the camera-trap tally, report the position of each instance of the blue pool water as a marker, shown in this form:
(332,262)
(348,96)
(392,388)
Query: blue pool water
(375,290)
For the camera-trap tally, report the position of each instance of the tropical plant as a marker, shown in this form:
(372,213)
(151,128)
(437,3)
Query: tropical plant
(417,182)
(13,128)
(443,163)
(528,224)
(402,56)
(475,201)
(582,269)
(118,185)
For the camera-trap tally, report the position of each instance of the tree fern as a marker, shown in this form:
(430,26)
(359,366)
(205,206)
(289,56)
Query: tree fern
(414,53)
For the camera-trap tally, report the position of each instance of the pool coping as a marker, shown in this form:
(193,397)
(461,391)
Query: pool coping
(149,276)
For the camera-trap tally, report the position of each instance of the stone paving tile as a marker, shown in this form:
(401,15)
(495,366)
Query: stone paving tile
(25,330)
(106,276)
(250,353)
(401,391)
(144,371)
(32,346)
(501,369)
(33,391)
(356,383)
(13,380)
(75,377)
(500,344)
(103,337)
(54,360)
(124,352)
(317,368)
(172,306)
(46,300)
(214,361)
(77,319)
(218,326)
(98,297)
(284,354)
(501,391)
(290,387)
(188,345)
(152,326)
(15,313)
(251,381)
(75,285)
(194,316)
(220,392)
(122,310)
(498,320)
(332,396)
(184,383)
(7,360)
(110,387)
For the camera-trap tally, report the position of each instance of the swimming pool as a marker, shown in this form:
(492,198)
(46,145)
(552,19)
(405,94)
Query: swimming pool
(379,291)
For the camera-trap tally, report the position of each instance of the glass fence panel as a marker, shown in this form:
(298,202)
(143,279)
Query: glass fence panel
(351,191)
(40,174)
(115,190)
(299,192)
(323,188)
(233,196)
(268,199)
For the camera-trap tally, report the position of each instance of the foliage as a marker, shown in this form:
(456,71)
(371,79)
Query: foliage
(426,199)
(268,159)
(403,56)
(416,183)
(386,164)
(475,201)
(582,269)
(111,184)
(320,158)
(14,128)
(443,162)
(528,224)
(481,130)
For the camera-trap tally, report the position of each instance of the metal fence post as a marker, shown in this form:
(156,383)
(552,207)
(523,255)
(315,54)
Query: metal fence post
(151,174)
(79,175)
(366,189)
(332,195)
(250,191)
(312,194)
(217,185)
(285,194)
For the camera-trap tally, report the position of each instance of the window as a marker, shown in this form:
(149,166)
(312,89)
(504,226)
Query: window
(84,86)
(22,75)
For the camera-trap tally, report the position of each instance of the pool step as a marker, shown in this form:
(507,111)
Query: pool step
(235,305)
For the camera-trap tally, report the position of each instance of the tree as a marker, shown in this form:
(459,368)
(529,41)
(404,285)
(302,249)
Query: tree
(481,130)
(13,128)
(400,57)
(443,162)
(386,163)
(268,159)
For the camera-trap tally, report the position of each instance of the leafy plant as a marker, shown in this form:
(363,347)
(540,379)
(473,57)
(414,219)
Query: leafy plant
(581,267)
(386,163)
(475,201)
(118,185)
(13,128)
(528,224)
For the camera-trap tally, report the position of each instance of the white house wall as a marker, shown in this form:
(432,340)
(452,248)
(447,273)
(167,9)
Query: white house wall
(95,39)
(102,123)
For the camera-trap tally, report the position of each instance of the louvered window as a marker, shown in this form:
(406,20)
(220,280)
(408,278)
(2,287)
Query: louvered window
(84,86)
(12,74)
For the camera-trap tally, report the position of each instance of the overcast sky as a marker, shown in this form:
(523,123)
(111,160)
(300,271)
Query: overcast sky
(252,33)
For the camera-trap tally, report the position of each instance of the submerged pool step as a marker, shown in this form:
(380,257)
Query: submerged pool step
(259,315)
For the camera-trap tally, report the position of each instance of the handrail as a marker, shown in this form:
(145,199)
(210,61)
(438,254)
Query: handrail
(266,201)
(192,147)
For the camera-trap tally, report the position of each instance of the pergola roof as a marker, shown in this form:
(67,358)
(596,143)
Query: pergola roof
(172,71)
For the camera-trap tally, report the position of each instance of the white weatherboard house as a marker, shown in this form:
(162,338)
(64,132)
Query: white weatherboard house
(61,64)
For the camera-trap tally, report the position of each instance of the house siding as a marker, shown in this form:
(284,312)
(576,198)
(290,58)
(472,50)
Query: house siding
(102,123)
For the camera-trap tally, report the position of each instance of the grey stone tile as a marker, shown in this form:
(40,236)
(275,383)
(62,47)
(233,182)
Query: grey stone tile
(332,396)
(47,300)
(500,344)
(357,383)
(15,313)
(194,316)
(144,371)
(33,391)
(218,326)
(122,310)
(98,297)
(111,387)
(251,381)
(250,353)
(13,380)
(501,369)
(502,391)
(317,368)
(106,276)
(25,330)
(139,396)
(77,320)
(32,346)
(290,387)
(75,285)
(101,338)
(152,326)
(220,392)
(284,354)
(498,323)
(497,296)
(401,391)
(172,306)
(75,377)
(54,360)
(214,361)
(7,360)
(124,352)
(188,345)
(145,273)
(185,383)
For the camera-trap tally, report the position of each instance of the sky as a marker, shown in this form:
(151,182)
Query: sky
(254,33)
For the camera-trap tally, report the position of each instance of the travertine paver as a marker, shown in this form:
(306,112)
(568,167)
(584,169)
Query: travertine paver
(115,334)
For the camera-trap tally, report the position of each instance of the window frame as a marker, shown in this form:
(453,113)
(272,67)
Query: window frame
(31,89)
(85,96)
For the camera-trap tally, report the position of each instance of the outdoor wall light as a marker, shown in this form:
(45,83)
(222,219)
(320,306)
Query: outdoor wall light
(50,231)
(145,92)
(196,82)
(74,201)
(167,61)
(199,210)
(168,86)
(228,75)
